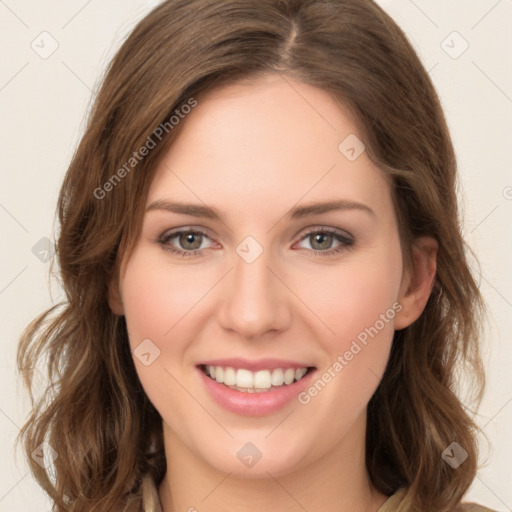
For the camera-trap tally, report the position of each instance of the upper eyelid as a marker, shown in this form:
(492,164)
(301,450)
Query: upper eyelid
(336,231)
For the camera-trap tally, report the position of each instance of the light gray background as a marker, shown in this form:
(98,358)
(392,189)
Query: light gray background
(43,102)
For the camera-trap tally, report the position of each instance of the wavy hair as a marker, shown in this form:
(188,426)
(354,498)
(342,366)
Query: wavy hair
(94,412)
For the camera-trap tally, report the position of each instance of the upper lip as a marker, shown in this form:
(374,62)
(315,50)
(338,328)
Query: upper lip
(254,365)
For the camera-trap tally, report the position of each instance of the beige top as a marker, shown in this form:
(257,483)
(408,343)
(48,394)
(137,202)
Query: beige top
(392,504)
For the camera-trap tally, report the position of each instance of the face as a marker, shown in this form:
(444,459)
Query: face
(256,283)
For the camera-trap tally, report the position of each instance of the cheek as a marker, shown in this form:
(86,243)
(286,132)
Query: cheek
(156,298)
(357,302)
(360,311)
(161,302)
(351,297)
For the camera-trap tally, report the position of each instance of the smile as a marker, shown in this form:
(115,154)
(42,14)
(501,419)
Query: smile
(260,381)
(254,388)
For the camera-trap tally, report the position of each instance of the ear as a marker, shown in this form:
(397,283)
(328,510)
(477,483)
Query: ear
(115,300)
(417,282)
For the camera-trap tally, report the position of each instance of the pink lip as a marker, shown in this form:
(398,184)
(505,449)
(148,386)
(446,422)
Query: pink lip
(254,404)
(254,365)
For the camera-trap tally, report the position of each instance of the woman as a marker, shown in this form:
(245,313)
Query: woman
(243,372)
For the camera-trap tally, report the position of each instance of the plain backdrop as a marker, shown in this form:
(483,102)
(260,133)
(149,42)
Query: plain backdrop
(465,45)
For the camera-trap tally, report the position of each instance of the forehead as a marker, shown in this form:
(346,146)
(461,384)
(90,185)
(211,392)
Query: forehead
(266,144)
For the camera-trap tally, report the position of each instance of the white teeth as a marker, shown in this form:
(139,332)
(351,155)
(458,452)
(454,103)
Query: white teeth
(277,377)
(219,374)
(244,379)
(262,379)
(254,382)
(229,376)
(300,372)
(289,375)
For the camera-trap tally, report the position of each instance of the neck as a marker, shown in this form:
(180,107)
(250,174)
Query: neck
(336,481)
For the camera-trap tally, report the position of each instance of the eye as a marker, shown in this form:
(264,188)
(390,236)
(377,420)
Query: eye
(323,238)
(191,242)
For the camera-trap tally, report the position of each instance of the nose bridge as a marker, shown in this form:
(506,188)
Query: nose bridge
(255,300)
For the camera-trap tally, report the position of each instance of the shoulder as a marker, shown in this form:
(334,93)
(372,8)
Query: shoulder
(472,507)
(395,503)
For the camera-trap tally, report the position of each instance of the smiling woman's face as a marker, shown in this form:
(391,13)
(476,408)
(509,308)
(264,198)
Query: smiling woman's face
(261,282)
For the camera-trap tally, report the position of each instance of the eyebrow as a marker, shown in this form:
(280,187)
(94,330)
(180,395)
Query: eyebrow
(299,212)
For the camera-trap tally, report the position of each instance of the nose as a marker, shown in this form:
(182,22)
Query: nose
(255,300)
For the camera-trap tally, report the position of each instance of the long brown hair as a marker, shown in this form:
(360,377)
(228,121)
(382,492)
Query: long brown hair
(94,413)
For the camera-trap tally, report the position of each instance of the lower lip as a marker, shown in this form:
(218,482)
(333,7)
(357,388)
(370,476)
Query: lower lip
(254,404)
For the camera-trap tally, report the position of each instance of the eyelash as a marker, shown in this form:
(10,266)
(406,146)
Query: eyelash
(347,242)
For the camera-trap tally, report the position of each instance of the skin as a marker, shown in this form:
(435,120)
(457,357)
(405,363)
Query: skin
(254,151)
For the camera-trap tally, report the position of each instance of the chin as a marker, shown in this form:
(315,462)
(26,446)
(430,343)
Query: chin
(246,459)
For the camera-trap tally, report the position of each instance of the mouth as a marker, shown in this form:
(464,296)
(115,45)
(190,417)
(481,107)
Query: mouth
(261,381)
